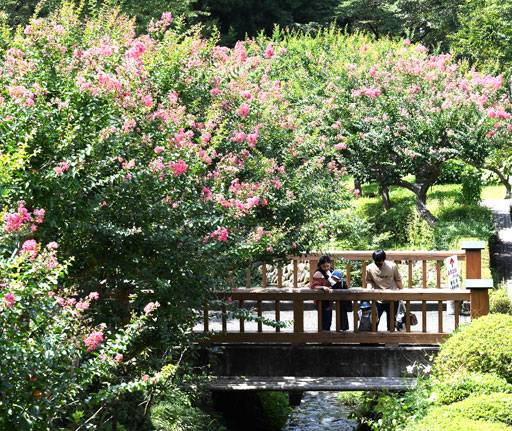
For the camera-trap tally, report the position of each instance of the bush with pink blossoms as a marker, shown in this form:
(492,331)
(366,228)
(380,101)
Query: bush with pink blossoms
(52,357)
(127,132)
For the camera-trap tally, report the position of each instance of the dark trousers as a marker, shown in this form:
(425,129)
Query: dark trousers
(385,306)
(327,314)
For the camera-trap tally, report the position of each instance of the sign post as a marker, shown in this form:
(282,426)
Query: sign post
(452,270)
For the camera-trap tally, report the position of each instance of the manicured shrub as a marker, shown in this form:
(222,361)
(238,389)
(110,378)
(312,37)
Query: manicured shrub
(461,385)
(496,407)
(491,412)
(456,423)
(499,301)
(483,346)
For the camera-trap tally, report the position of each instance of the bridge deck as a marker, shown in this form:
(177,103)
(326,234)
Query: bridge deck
(290,383)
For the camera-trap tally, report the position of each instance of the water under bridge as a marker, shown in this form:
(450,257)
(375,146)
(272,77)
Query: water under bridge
(246,355)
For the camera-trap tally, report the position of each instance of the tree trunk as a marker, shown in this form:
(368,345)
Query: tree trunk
(357,186)
(384,193)
(505,180)
(420,190)
(421,207)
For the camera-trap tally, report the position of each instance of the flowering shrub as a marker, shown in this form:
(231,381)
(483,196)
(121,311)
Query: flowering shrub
(165,162)
(51,358)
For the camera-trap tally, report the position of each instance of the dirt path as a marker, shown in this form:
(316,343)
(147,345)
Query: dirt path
(502,256)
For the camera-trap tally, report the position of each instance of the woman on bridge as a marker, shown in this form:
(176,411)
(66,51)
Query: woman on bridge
(325,279)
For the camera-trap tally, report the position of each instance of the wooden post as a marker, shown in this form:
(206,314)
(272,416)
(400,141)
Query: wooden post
(479,302)
(473,258)
(295,274)
(242,321)
(278,314)
(320,314)
(298,316)
(205,319)
(313,264)
(479,297)
(264,276)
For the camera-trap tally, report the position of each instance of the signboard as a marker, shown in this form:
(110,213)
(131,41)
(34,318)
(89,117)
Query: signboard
(452,268)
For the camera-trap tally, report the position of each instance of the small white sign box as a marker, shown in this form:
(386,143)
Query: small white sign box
(452,270)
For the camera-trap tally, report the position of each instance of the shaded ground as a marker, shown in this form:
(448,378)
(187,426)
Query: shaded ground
(502,252)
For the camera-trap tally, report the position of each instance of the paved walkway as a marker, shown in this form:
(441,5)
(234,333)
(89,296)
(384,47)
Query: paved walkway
(502,256)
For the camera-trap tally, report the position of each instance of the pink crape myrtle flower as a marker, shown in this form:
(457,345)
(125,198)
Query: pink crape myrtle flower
(119,358)
(81,306)
(52,245)
(269,51)
(94,295)
(30,247)
(220,234)
(61,168)
(178,168)
(158,149)
(9,299)
(148,309)
(243,110)
(14,221)
(93,340)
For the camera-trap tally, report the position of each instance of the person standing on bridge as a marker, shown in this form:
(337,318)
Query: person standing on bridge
(327,280)
(383,274)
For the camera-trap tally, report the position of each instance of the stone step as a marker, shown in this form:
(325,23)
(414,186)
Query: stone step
(290,383)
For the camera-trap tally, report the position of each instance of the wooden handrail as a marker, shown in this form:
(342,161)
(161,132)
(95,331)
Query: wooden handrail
(391,255)
(353,294)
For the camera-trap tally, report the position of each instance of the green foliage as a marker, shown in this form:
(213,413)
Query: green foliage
(176,412)
(460,386)
(471,188)
(495,407)
(485,34)
(419,234)
(483,346)
(423,20)
(388,411)
(456,221)
(276,407)
(462,423)
(499,300)
(453,171)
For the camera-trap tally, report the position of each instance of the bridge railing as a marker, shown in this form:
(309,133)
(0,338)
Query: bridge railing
(476,292)
(470,254)
(301,295)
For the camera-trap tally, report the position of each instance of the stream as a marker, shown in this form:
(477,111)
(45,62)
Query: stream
(320,411)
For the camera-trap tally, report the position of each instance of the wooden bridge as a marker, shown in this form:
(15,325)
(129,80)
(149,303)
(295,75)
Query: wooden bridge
(262,354)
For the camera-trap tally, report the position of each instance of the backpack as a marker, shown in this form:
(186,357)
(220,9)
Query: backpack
(365,323)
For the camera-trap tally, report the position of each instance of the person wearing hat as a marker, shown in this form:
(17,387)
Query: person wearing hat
(325,279)
(383,274)
(365,316)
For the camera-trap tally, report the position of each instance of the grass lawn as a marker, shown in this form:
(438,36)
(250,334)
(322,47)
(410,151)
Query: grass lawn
(400,228)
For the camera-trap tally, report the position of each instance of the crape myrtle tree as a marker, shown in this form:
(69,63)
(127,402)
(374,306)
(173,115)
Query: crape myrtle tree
(390,110)
(163,161)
